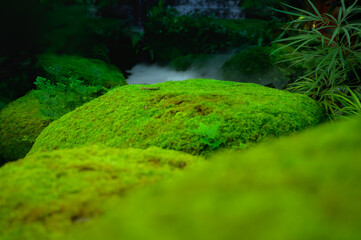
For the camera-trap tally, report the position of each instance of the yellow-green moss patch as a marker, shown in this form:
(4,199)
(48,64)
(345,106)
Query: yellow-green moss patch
(45,195)
(299,187)
(20,124)
(195,116)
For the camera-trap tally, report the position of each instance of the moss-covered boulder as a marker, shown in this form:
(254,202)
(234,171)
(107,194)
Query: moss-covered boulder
(20,124)
(255,65)
(45,195)
(300,187)
(93,72)
(195,116)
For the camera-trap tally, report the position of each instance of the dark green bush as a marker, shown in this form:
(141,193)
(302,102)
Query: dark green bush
(68,82)
(61,98)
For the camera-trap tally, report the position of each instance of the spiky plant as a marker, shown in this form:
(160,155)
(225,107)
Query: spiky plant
(330,43)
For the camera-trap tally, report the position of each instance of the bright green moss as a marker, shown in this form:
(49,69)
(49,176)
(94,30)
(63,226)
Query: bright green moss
(45,195)
(195,116)
(20,124)
(301,187)
(93,72)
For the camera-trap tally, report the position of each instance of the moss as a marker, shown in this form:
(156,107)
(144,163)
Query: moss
(93,72)
(195,116)
(20,124)
(300,187)
(254,65)
(45,195)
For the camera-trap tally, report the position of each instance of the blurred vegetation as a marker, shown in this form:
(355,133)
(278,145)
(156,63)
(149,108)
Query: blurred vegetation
(167,35)
(71,81)
(31,27)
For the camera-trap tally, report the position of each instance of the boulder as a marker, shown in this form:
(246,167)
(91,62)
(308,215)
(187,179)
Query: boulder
(305,186)
(20,124)
(196,116)
(45,195)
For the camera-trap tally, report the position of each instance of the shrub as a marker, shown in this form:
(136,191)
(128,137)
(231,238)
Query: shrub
(61,98)
(72,81)
(331,43)
(168,35)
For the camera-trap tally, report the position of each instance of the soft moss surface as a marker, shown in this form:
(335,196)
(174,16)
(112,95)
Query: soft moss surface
(20,124)
(45,195)
(92,71)
(195,116)
(299,187)
(255,65)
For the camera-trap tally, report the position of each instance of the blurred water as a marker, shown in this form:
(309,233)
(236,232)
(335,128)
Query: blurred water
(150,74)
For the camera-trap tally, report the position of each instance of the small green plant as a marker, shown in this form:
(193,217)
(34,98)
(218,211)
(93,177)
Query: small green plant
(63,97)
(331,44)
(209,135)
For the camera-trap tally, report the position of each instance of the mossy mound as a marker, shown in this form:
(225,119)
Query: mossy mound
(300,187)
(20,124)
(45,195)
(92,72)
(255,65)
(195,116)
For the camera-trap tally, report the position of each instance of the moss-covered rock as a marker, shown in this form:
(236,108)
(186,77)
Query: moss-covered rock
(255,65)
(93,72)
(45,195)
(20,124)
(195,116)
(300,187)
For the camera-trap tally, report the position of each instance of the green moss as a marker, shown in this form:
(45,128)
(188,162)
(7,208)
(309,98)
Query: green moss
(93,72)
(299,187)
(255,65)
(45,195)
(190,116)
(20,124)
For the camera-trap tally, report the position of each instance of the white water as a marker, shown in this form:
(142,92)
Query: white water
(151,74)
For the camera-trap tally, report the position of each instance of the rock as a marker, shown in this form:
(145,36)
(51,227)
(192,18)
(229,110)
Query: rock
(45,195)
(302,187)
(195,116)
(255,65)
(91,71)
(20,124)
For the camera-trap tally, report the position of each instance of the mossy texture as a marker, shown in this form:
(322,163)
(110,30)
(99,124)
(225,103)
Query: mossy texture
(195,116)
(300,187)
(45,195)
(93,72)
(20,124)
